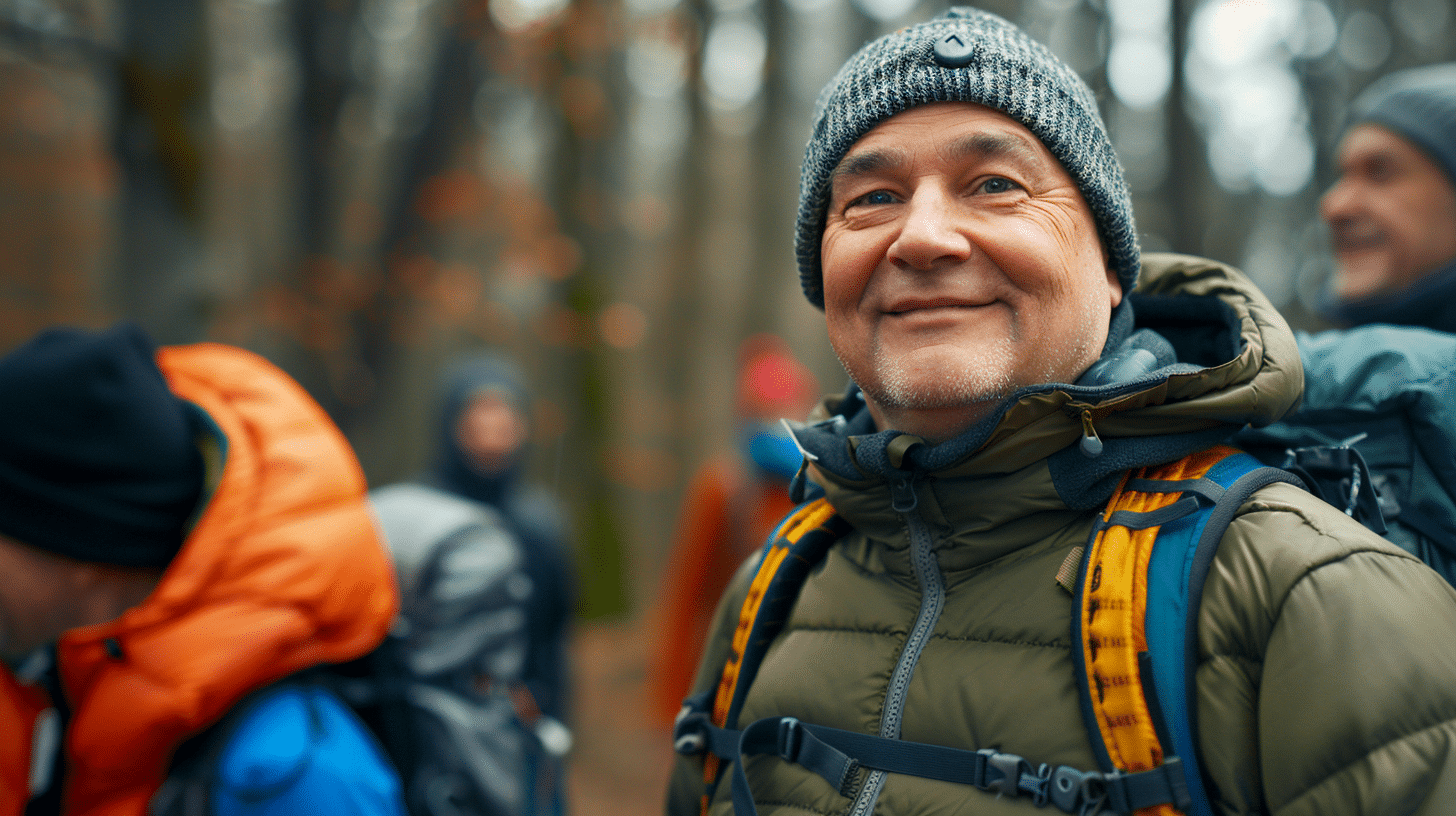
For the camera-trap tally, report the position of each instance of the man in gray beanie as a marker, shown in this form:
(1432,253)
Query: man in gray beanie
(1392,211)
(972,618)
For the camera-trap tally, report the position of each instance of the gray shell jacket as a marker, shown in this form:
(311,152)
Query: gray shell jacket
(1326,680)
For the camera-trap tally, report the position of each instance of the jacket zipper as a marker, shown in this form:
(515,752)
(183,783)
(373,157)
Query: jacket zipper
(932,602)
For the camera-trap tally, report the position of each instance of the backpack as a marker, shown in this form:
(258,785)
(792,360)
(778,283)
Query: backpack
(1376,434)
(1134,674)
(441,696)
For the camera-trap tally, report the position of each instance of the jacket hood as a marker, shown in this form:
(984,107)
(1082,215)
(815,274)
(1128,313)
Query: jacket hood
(452,470)
(1194,354)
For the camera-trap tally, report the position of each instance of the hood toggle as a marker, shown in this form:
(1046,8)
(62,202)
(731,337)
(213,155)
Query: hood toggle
(1091,444)
(902,484)
(799,484)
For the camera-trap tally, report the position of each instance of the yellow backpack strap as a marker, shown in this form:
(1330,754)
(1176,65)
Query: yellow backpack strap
(1138,606)
(799,542)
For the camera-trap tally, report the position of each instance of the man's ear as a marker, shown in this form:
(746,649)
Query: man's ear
(1114,285)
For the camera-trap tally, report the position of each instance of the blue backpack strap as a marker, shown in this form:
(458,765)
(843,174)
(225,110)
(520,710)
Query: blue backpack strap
(1145,715)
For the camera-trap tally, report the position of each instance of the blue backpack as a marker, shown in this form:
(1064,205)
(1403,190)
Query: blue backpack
(1376,434)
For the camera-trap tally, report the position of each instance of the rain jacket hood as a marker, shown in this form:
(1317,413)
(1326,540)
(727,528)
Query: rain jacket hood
(453,470)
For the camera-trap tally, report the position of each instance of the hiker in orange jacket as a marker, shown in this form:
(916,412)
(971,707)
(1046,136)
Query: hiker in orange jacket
(178,529)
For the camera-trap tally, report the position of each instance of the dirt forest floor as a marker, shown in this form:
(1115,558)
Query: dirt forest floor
(620,762)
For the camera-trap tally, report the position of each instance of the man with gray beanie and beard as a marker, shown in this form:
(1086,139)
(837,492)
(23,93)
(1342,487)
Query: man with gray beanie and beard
(1033,403)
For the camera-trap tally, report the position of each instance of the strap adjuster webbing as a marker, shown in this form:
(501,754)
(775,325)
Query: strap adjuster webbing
(1127,792)
(837,755)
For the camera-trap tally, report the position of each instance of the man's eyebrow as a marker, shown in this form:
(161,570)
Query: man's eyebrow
(866,162)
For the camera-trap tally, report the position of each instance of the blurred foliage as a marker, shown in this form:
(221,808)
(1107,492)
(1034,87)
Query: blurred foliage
(605,189)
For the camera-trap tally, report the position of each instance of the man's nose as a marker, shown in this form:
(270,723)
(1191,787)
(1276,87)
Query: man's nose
(932,232)
(1338,202)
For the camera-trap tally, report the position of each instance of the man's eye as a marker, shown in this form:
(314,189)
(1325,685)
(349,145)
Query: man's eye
(872,199)
(999,185)
(1381,171)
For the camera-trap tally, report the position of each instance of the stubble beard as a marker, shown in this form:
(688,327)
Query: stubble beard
(968,380)
(894,382)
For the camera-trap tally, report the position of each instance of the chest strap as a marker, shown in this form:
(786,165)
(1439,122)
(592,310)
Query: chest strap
(838,756)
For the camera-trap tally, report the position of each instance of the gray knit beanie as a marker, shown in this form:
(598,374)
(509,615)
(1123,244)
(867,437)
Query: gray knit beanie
(966,55)
(1419,104)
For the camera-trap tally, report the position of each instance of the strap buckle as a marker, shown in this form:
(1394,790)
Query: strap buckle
(1079,792)
(1010,767)
(1038,784)
(690,728)
(790,739)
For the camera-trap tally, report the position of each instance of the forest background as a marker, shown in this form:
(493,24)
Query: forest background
(602,189)
(360,190)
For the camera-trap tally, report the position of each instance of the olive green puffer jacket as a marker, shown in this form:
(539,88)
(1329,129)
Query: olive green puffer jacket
(1326,680)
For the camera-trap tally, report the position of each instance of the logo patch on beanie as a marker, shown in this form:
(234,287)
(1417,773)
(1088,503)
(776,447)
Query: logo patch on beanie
(953,50)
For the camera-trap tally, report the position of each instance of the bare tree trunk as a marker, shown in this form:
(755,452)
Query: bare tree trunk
(160,143)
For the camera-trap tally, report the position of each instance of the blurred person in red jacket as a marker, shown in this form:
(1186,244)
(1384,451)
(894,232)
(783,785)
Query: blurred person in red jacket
(731,506)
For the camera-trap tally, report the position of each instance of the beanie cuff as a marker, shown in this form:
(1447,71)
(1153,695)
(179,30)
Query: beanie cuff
(34,515)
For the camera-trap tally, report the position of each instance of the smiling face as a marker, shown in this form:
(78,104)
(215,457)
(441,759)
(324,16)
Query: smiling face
(1392,214)
(960,264)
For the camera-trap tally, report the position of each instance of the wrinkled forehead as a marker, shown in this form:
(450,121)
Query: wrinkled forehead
(966,130)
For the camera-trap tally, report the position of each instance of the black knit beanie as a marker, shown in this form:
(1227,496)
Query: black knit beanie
(98,458)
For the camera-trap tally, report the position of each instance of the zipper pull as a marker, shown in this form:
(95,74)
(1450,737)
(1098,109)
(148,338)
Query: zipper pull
(1091,444)
(902,495)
